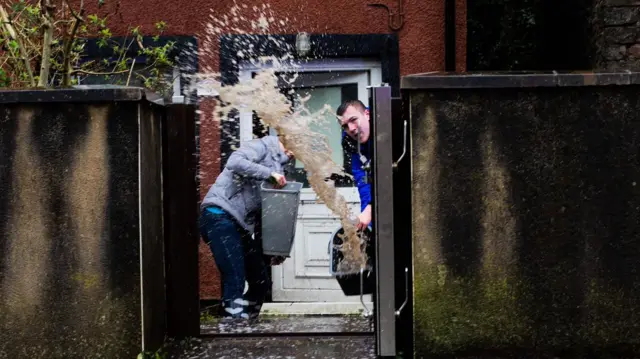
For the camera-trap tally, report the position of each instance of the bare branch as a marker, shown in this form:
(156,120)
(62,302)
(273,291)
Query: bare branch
(55,24)
(17,16)
(31,45)
(78,17)
(133,63)
(90,62)
(86,72)
(23,51)
(5,60)
(47,25)
(140,44)
(66,53)
(124,52)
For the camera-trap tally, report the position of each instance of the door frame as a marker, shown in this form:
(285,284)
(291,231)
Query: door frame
(318,73)
(381,47)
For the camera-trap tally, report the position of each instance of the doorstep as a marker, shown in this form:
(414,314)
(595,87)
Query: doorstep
(311,308)
(289,325)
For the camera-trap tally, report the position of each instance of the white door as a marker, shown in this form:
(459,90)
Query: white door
(305,276)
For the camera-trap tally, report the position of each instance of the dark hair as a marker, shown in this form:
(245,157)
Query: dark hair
(355,103)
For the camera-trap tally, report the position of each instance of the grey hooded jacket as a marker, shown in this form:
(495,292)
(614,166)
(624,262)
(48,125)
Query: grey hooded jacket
(237,188)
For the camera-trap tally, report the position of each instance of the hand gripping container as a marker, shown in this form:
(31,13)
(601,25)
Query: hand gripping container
(354,282)
(279,217)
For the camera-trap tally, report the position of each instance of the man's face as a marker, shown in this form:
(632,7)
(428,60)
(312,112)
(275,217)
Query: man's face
(356,124)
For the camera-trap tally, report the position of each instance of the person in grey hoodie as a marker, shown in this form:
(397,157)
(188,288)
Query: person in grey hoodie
(229,215)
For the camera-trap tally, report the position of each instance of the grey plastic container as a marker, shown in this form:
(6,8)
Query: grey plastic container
(279,217)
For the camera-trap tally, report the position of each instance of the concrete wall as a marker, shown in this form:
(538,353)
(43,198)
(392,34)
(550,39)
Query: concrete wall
(80,204)
(525,216)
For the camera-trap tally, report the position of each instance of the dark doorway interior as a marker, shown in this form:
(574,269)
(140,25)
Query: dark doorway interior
(526,35)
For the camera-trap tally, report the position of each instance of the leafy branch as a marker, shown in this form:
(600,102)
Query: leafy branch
(66,54)
(45,46)
(15,44)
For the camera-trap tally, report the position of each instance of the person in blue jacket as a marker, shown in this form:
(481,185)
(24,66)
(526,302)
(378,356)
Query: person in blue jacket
(353,116)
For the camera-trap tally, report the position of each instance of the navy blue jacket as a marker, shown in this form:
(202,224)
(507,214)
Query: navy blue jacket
(359,175)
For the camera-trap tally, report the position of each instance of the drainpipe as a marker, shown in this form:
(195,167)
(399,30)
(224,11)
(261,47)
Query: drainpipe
(450,35)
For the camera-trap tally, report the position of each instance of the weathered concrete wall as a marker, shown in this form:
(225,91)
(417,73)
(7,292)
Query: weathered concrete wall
(80,204)
(616,34)
(526,217)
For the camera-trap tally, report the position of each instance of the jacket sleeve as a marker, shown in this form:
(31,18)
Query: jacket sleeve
(245,161)
(364,188)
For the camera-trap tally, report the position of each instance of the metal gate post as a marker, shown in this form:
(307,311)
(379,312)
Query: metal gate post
(380,101)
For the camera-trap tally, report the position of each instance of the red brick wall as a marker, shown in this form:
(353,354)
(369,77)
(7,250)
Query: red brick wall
(421,50)
(209,170)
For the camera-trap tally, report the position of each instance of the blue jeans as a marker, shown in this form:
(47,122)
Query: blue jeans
(238,257)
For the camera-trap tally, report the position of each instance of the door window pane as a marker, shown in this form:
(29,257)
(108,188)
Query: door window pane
(329,126)
(318,96)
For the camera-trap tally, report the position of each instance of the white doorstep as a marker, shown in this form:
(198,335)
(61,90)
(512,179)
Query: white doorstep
(314,308)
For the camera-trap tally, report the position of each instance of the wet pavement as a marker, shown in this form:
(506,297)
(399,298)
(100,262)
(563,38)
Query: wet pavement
(280,336)
(352,347)
(289,324)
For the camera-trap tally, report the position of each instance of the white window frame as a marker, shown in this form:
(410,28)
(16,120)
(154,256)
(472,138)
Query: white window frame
(178,96)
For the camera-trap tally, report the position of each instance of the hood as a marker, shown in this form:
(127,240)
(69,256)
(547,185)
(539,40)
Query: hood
(273,144)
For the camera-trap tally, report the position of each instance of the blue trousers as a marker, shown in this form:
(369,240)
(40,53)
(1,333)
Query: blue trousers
(238,257)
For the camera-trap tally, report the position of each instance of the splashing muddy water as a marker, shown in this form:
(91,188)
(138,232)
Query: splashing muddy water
(293,123)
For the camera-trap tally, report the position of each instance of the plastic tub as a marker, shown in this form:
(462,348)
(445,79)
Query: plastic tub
(279,217)
(350,281)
